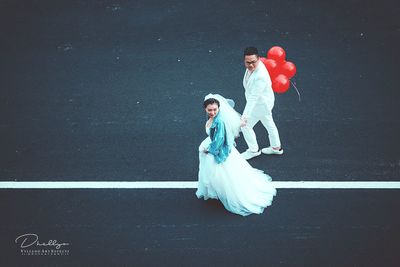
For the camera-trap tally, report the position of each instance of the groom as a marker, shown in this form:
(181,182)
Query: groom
(259,103)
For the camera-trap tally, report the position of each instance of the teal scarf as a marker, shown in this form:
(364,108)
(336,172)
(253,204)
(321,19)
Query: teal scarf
(219,145)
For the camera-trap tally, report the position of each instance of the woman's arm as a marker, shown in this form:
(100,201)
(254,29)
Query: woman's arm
(218,139)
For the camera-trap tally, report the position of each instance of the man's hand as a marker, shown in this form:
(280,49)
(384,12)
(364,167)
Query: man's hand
(243,121)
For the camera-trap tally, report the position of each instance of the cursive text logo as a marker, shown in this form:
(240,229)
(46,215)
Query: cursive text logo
(28,240)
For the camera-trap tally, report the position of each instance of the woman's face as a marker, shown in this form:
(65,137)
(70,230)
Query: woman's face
(212,110)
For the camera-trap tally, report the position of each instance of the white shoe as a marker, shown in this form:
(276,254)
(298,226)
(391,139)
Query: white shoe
(270,151)
(249,154)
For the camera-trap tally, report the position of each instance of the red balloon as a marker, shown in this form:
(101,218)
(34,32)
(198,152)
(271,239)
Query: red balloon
(280,84)
(271,66)
(277,53)
(288,69)
(263,59)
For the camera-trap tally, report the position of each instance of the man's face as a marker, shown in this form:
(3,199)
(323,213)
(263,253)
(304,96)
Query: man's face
(251,62)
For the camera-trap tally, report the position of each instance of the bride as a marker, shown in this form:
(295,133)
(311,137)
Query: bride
(223,173)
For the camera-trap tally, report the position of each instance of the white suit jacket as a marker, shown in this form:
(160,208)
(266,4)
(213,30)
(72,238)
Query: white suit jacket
(258,91)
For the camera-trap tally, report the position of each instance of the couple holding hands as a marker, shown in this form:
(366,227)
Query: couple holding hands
(224,173)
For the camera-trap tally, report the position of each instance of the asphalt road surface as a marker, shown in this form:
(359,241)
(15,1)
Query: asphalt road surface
(113,91)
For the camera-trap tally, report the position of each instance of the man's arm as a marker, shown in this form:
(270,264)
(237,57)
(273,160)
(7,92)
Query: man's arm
(255,92)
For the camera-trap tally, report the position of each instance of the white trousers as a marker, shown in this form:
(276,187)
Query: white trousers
(269,124)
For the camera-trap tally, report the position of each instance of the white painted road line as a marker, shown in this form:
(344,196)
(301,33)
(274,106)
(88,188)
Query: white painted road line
(190,185)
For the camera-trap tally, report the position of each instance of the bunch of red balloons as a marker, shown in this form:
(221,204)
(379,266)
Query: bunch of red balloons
(280,70)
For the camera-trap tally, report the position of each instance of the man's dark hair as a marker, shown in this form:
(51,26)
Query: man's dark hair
(248,51)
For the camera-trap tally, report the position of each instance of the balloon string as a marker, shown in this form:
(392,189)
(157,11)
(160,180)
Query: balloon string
(294,85)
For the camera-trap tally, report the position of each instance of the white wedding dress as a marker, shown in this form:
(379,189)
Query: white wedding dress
(241,188)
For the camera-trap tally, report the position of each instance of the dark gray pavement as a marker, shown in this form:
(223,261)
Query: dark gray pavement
(113,90)
(173,228)
(107,90)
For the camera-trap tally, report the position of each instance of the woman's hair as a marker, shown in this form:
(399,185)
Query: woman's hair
(210,101)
